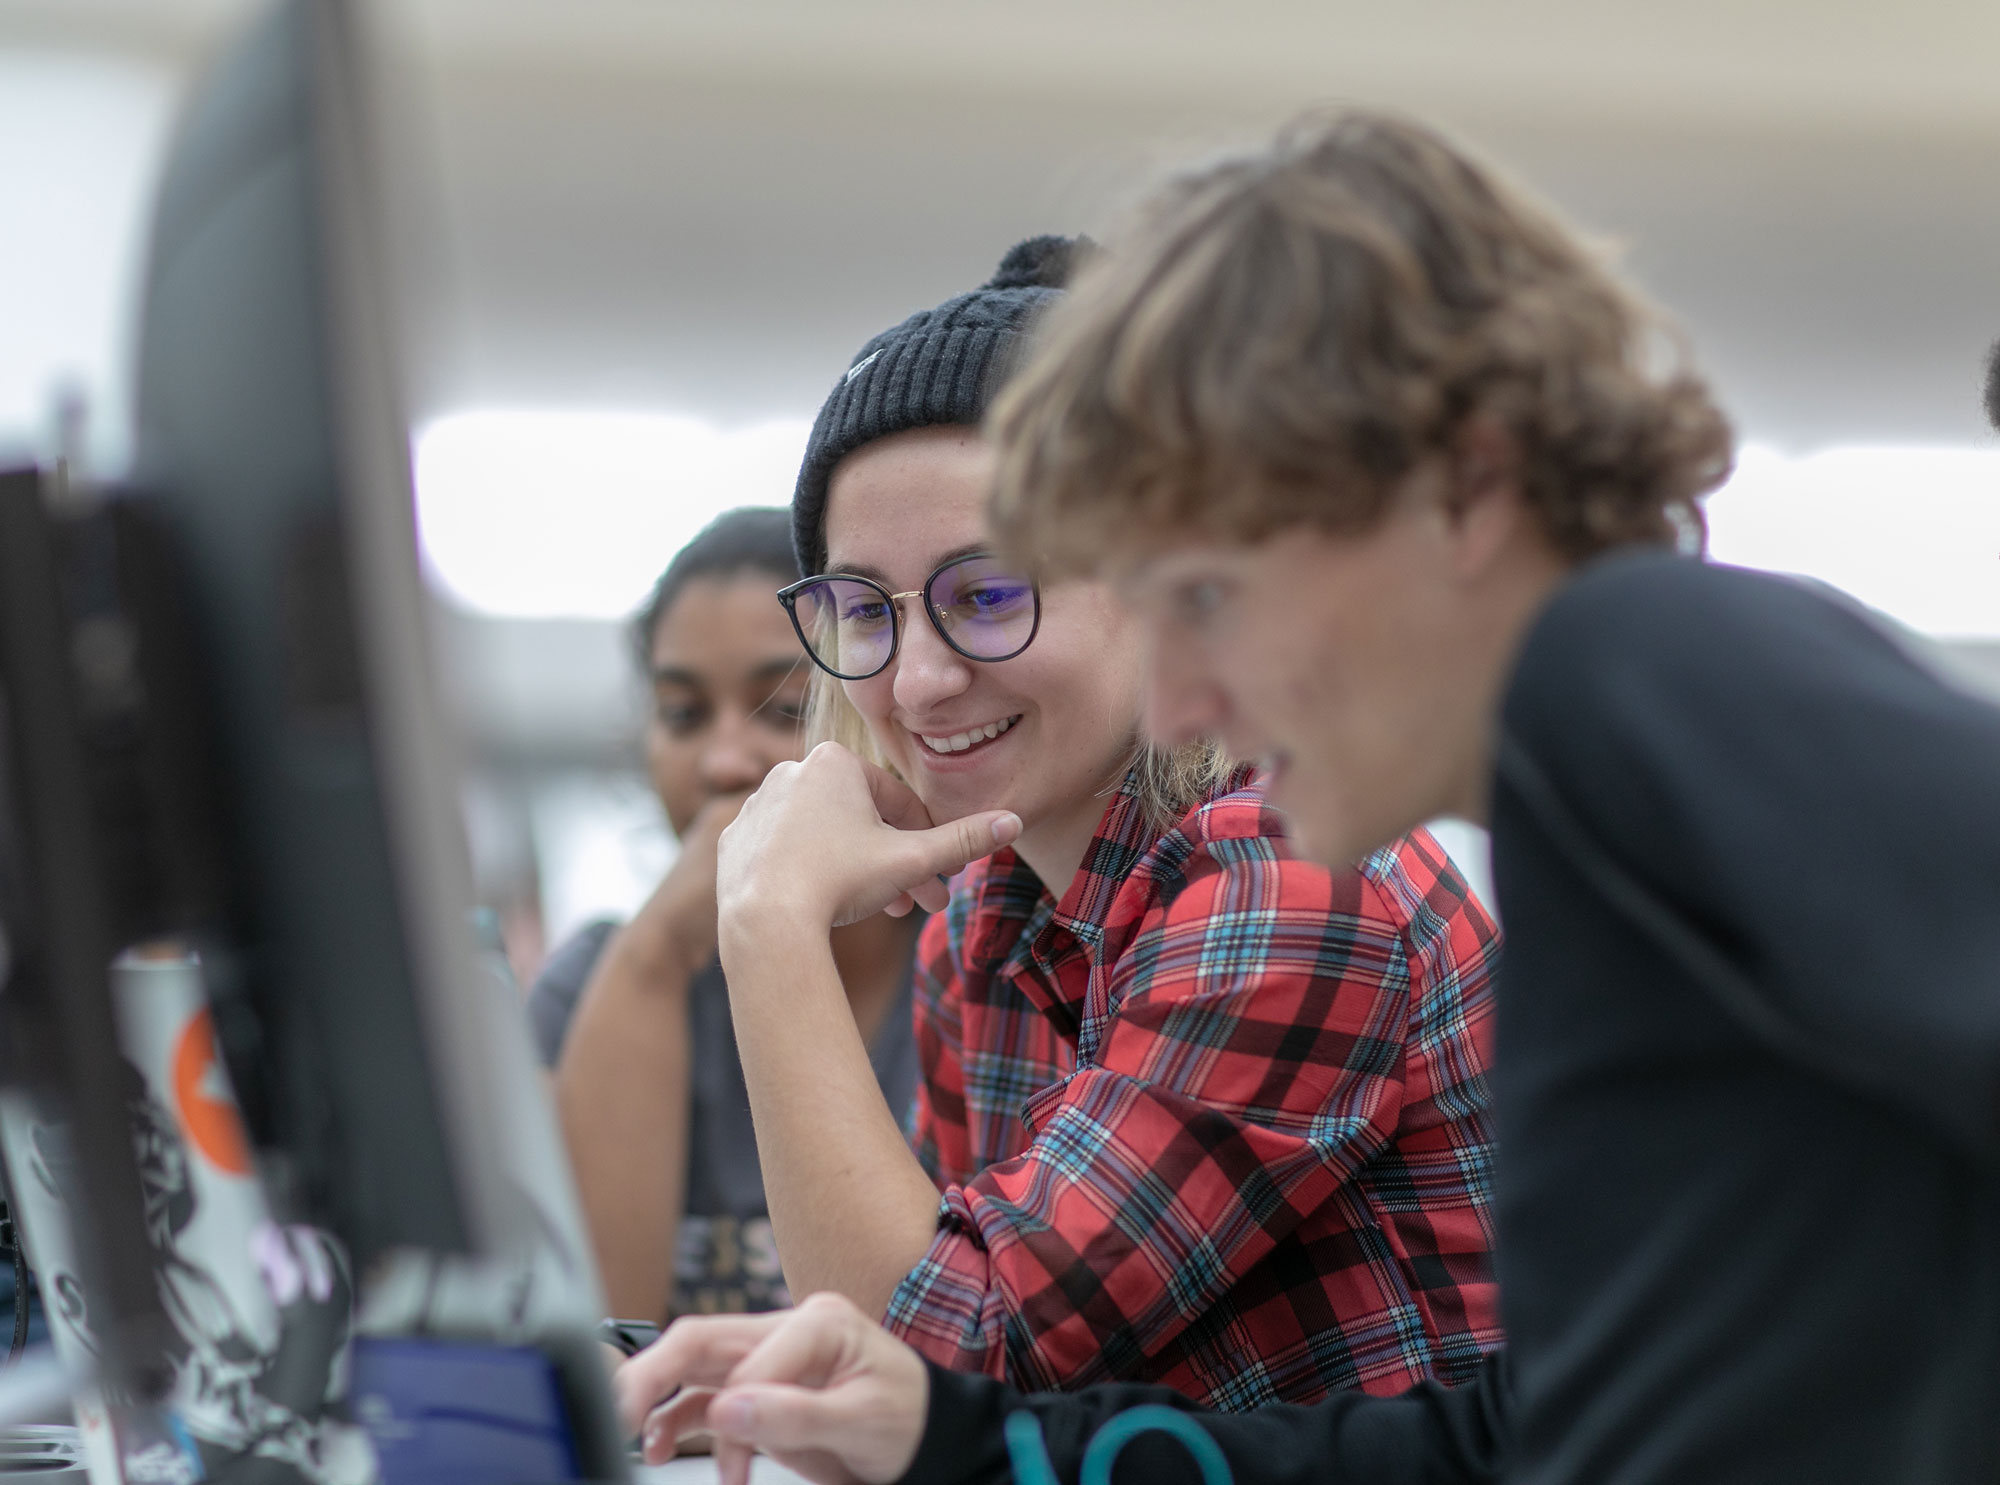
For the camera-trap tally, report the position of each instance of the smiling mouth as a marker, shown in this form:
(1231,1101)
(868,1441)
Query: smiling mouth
(959,742)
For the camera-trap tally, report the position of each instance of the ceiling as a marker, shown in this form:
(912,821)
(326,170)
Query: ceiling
(702,206)
(705,207)
(1919,61)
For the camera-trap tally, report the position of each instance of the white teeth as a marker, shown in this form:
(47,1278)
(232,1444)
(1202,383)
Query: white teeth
(958,742)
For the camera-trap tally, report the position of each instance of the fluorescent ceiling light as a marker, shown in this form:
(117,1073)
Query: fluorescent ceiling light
(1912,531)
(540,514)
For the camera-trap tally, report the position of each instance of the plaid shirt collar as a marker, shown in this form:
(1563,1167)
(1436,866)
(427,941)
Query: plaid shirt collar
(1019,930)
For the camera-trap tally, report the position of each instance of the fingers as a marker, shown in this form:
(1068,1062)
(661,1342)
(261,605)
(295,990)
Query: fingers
(891,862)
(685,1413)
(790,1420)
(828,1393)
(948,849)
(799,1345)
(693,1352)
(807,1347)
(895,801)
(926,859)
(732,1462)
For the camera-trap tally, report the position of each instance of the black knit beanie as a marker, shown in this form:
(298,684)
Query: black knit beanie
(939,367)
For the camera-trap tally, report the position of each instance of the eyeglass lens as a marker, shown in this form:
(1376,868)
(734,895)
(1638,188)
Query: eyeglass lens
(983,610)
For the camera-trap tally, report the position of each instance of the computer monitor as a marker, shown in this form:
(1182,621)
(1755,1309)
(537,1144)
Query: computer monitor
(389,1085)
(245,750)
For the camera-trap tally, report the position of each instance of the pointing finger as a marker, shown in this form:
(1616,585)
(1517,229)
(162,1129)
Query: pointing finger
(948,849)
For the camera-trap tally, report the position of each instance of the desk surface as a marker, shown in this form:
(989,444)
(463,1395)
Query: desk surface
(701,1471)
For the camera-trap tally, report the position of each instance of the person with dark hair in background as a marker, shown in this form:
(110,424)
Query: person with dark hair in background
(1390,469)
(636,1019)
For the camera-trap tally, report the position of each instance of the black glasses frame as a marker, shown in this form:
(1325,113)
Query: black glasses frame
(788,596)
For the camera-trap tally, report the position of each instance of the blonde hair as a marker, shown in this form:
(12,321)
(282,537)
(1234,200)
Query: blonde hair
(1282,336)
(1167,782)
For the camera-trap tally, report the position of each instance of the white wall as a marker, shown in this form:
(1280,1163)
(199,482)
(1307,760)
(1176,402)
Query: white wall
(80,138)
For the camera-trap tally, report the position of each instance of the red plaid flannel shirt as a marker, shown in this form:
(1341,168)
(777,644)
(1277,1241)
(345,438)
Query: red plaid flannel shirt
(1216,1120)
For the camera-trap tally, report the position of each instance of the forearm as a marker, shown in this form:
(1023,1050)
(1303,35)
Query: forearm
(1431,1435)
(851,1208)
(622,1093)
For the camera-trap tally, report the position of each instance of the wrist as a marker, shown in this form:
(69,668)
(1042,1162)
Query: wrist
(772,935)
(787,911)
(768,921)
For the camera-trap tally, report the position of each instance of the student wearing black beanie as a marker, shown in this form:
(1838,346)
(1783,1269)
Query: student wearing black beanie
(1145,1146)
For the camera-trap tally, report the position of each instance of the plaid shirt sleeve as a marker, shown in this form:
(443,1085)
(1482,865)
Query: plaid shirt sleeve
(937,1122)
(1242,1058)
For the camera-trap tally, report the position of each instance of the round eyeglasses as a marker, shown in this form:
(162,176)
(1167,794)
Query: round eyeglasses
(852,626)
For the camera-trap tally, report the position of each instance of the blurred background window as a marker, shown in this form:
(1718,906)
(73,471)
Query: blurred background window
(639,238)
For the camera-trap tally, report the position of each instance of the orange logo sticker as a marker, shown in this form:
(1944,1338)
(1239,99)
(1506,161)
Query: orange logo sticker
(201,1097)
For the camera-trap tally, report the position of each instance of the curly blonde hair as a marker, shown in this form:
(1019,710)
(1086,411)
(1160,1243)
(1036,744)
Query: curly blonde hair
(1281,337)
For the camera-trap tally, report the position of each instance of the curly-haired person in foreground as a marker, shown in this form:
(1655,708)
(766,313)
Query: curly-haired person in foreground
(1395,477)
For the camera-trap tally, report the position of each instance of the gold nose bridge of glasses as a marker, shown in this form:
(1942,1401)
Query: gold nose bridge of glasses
(936,608)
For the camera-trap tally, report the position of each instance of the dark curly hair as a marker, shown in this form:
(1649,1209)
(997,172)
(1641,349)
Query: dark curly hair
(1281,337)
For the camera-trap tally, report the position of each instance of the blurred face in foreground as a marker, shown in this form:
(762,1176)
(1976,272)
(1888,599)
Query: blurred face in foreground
(1362,670)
